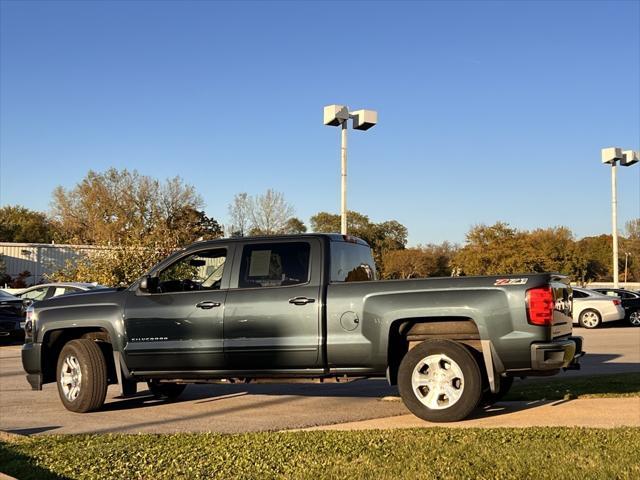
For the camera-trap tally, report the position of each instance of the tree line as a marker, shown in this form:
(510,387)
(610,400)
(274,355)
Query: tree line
(140,220)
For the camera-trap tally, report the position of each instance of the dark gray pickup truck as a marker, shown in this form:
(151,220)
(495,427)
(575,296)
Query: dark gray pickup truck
(304,306)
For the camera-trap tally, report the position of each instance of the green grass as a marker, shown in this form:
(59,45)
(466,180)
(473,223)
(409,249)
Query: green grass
(597,386)
(418,453)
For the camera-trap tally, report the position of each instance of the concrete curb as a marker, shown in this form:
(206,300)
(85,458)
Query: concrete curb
(585,412)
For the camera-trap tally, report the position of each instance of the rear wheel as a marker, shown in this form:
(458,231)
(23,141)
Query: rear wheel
(590,319)
(440,381)
(634,318)
(82,376)
(166,390)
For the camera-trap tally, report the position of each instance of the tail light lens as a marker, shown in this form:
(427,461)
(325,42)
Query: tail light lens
(617,302)
(540,306)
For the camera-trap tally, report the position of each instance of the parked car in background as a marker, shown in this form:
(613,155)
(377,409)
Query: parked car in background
(591,309)
(630,302)
(11,317)
(45,291)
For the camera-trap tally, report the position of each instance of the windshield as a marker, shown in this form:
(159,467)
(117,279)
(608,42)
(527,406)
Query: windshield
(7,296)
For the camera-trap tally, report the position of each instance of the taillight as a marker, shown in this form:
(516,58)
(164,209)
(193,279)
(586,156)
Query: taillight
(617,302)
(540,306)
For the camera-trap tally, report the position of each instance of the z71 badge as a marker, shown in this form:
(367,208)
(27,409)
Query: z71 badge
(511,281)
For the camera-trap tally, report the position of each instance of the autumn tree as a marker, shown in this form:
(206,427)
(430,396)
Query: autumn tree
(19,224)
(631,245)
(418,262)
(140,219)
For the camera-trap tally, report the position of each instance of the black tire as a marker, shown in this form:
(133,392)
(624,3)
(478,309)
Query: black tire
(634,318)
(166,390)
(85,370)
(467,386)
(489,398)
(590,318)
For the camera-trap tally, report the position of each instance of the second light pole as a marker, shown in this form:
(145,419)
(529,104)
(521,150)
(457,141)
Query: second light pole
(626,158)
(339,115)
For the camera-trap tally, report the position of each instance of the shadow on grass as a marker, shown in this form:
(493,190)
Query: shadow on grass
(23,467)
(596,386)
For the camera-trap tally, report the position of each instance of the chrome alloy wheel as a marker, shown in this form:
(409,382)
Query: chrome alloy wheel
(437,382)
(590,319)
(71,377)
(634,318)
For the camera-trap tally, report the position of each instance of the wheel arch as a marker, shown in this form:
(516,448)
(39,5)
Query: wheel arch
(53,340)
(404,333)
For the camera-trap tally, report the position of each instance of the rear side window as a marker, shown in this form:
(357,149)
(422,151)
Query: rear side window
(274,265)
(577,294)
(351,262)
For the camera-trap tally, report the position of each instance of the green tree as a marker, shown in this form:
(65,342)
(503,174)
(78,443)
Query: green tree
(382,237)
(594,254)
(294,225)
(19,224)
(491,250)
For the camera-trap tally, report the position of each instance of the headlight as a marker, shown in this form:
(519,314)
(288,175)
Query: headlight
(30,322)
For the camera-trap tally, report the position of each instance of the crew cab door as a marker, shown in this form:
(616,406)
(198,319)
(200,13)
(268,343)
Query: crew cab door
(272,311)
(179,327)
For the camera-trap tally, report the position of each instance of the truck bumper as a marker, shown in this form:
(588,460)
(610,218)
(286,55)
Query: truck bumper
(556,355)
(31,362)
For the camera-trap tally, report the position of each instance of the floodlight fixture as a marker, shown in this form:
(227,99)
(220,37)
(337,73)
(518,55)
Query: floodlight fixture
(334,115)
(630,157)
(364,119)
(611,155)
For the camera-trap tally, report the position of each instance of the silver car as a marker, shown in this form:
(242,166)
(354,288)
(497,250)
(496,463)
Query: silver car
(44,291)
(591,309)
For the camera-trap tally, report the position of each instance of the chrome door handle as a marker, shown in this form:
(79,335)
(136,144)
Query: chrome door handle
(207,305)
(301,300)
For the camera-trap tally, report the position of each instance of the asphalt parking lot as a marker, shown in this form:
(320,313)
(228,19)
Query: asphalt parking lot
(253,407)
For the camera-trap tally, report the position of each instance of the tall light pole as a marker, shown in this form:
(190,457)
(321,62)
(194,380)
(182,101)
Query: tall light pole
(339,115)
(612,156)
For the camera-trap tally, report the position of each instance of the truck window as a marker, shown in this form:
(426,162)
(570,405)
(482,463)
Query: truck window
(198,271)
(274,265)
(351,262)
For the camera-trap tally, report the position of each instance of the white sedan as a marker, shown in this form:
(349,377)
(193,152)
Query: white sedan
(591,309)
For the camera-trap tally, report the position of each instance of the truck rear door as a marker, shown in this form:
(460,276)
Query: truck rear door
(272,310)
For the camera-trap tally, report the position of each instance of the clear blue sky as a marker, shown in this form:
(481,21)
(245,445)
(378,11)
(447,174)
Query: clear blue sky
(487,110)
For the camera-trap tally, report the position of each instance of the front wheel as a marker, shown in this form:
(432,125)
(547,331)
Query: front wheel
(82,376)
(634,318)
(166,390)
(590,319)
(440,381)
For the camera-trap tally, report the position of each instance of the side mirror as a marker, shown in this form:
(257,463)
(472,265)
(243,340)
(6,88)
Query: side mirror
(26,303)
(148,285)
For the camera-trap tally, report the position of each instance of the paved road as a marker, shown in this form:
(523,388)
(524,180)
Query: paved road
(241,408)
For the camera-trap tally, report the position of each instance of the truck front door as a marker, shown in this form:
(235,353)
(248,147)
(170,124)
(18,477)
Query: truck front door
(179,326)
(272,311)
